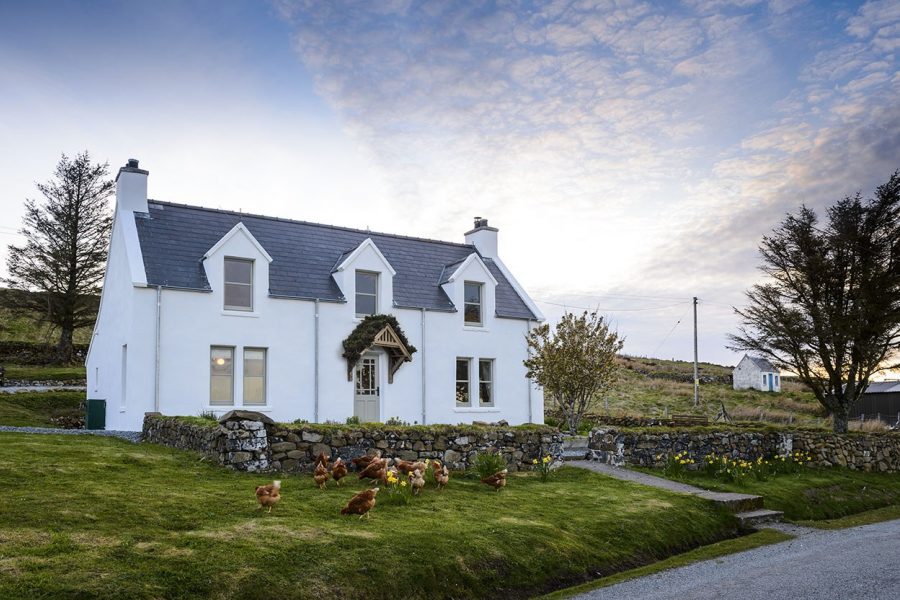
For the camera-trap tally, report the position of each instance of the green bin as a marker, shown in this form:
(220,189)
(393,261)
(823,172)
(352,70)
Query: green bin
(96,414)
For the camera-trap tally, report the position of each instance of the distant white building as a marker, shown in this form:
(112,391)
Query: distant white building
(756,374)
(210,310)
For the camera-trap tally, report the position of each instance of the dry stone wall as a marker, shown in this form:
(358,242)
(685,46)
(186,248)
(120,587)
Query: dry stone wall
(860,451)
(247,443)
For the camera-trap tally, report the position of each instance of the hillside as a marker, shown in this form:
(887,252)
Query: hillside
(650,387)
(30,328)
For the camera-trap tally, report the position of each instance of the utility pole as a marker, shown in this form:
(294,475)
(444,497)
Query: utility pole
(696,367)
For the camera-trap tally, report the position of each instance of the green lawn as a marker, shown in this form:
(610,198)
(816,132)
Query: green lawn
(98,517)
(34,409)
(45,373)
(813,493)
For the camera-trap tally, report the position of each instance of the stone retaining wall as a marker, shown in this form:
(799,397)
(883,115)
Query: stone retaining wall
(258,445)
(867,452)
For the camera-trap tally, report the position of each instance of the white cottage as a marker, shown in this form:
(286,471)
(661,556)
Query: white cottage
(210,310)
(757,374)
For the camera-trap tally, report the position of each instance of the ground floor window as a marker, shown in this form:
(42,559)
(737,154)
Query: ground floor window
(462,381)
(221,376)
(254,376)
(486,382)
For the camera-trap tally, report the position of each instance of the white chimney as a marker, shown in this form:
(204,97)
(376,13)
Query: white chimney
(131,187)
(483,237)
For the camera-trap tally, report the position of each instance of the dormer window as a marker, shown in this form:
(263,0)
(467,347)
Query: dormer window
(473,301)
(366,293)
(238,284)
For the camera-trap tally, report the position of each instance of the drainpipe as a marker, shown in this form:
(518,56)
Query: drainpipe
(530,408)
(158,328)
(423,366)
(316,360)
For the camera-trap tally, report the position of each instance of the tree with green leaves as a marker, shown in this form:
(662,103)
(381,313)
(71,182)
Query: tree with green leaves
(574,362)
(58,272)
(829,310)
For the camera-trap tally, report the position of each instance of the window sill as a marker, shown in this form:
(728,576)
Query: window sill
(476,409)
(240,313)
(225,409)
(477,328)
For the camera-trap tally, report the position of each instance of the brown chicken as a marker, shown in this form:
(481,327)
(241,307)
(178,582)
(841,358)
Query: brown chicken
(416,481)
(338,471)
(404,466)
(321,459)
(441,478)
(268,495)
(497,480)
(436,467)
(377,470)
(361,462)
(320,475)
(361,503)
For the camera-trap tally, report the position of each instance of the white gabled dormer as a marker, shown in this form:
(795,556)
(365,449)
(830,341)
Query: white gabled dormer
(237,269)
(366,279)
(472,289)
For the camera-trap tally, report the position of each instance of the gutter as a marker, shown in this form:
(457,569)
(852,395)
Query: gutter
(158,328)
(530,382)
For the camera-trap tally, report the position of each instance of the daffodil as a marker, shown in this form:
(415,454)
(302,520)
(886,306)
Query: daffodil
(534,462)
(403,483)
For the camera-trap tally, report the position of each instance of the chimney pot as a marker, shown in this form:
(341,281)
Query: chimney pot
(132,163)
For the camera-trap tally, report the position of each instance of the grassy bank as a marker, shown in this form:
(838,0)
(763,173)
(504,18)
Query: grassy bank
(45,373)
(35,409)
(813,494)
(105,518)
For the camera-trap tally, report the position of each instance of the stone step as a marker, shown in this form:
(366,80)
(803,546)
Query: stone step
(736,503)
(575,447)
(575,454)
(753,518)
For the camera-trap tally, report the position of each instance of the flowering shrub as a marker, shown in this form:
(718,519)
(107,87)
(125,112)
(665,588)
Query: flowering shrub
(543,467)
(738,470)
(676,464)
(790,462)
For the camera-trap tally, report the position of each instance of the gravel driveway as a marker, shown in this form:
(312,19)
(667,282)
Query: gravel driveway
(863,563)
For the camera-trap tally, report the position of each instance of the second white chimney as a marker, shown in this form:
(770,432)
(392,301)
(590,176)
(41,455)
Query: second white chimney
(483,237)
(131,187)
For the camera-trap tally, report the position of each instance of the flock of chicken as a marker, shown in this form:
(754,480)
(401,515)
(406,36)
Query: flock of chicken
(376,469)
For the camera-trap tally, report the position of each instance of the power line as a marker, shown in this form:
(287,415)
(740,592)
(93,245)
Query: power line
(598,309)
(638,296)
(677,323)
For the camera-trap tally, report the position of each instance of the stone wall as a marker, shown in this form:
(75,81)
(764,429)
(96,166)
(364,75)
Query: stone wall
(867,452)
(251,443)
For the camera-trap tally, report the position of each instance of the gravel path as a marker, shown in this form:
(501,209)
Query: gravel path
(131,436)
(847,564)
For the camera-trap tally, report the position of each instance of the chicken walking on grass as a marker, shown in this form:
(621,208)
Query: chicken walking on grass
(320,475)
(416,481)
(338,471)
(376,470)
(497,480)
(361,503)
(321,459)
(268,495)
(361,462)
(441,477)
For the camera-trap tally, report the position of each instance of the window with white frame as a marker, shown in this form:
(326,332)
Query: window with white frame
(366,293)
(486,382)
(255,376)
(221,376)
(472,303)
(238,284)
(463,397)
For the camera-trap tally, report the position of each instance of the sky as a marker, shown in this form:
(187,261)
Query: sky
(632,154)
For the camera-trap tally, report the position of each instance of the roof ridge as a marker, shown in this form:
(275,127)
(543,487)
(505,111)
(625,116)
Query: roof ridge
(312,223)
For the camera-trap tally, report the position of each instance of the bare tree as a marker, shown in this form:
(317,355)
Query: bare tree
(830,309)
(57,274)
(574,364)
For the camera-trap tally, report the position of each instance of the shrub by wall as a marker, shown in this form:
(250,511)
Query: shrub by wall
(260,445)
(862,451)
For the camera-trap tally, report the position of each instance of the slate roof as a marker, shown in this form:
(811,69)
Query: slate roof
(762,364)
(174,238)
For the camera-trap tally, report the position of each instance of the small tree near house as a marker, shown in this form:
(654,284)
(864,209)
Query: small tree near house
(574,363)
(830,309)
(58,272)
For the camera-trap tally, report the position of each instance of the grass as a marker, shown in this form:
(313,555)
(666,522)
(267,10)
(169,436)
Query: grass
(101,518)
(763,537)
(876,515)
(35,409)
(813,494)
(45,373)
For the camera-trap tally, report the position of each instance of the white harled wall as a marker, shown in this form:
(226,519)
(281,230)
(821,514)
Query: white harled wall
(193,321)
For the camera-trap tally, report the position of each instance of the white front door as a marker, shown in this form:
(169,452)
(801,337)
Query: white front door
(367,394)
